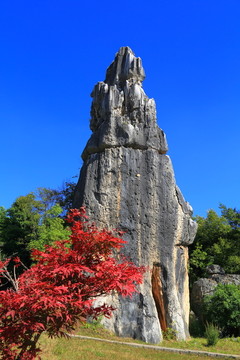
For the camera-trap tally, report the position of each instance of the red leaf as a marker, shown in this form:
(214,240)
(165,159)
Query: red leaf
(60,287)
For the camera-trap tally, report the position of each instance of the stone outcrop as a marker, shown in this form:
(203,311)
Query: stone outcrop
(206,286)
(127,182)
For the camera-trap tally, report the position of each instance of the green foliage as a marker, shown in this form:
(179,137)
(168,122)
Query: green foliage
(217,242)
(196,327)
(62,196)
(198,262)
(93,324)
(65,196)
(51,229)
(169,334)
(211,334)
(20,226)
(223,308)
(232,215)
(35,220)
(3,215)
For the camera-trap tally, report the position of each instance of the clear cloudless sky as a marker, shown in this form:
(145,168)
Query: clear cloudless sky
(52,52)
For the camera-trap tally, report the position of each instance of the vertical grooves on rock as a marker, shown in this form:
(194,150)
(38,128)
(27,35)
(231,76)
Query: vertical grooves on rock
(158,296)
(127,183)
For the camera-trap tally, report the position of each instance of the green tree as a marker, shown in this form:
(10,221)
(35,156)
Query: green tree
(20,226)
(223,309)
(51,229)
(217,242)
(33,221)
(232,216)
(3,215)
(47,197)
(65,196)
(62,196)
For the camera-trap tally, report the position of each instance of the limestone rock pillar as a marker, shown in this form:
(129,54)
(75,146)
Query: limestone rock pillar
(127,182)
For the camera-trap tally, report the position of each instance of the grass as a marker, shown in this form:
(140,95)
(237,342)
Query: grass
(224,346)
(79,349)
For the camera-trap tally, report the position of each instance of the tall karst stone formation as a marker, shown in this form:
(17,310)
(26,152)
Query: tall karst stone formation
(127,182)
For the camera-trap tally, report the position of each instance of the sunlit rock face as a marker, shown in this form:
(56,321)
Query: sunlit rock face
(127,182)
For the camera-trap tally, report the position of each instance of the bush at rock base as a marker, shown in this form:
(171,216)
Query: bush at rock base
(223,309)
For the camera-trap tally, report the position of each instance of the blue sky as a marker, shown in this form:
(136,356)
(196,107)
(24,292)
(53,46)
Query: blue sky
(53,52)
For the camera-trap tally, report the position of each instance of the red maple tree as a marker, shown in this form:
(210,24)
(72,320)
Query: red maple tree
(60,288)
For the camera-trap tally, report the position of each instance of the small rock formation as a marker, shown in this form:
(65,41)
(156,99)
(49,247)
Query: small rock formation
(127,183)
(214,269)
(206,286)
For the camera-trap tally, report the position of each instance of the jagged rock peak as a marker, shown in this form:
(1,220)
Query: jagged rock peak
(125,67)
(121,112)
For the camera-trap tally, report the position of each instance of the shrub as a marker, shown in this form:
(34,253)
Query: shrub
(196,327)
(60,288)
(169,334)
(223,309)
(211,334)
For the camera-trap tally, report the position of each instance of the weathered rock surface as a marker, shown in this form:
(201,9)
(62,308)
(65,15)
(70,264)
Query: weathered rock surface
(206,286)
(215,269)
(127,182)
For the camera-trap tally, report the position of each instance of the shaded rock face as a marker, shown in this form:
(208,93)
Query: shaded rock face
(127,182)
(206,286)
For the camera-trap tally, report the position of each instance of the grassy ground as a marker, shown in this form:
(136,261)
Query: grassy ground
(79,349)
